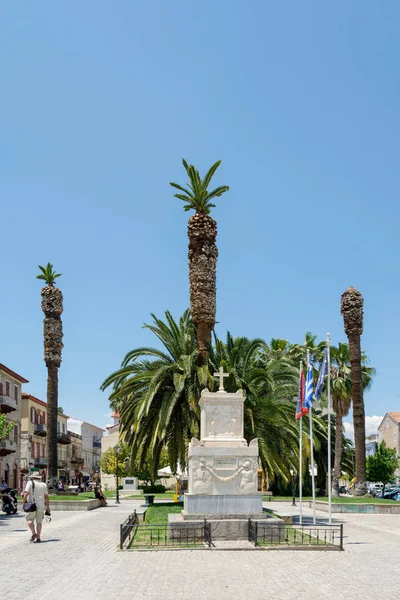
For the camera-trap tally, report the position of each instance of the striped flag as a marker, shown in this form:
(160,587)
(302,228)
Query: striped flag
(309,388)
(300,408)
(322,372)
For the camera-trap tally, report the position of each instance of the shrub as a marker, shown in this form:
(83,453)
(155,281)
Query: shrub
(152,489)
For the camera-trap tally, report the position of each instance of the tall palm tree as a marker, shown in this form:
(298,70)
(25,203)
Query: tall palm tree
(203,252)
(351,308)
(341,398)
(52,306)
(156,393)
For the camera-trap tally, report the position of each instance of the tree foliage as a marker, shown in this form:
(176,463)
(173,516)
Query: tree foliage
(108,461)
(48,274)
(382,465)
(5,428)
(196,196)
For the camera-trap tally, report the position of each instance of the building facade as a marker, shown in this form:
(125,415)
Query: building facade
(75,459)
(10,447)
(389,431)
(34,437)
(110,440)
(91,447)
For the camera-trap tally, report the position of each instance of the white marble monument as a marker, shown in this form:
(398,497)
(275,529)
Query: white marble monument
(222,467)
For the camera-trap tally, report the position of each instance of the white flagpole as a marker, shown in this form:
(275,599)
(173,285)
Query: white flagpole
(301,454)
(328,346)
(312,450)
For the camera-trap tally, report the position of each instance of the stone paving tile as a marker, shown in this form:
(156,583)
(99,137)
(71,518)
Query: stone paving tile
(79,555)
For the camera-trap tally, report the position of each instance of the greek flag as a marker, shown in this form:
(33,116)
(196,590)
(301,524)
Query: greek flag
(322,372)
(309,388)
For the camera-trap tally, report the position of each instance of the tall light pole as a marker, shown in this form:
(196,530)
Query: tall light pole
(116,450)
(293,494)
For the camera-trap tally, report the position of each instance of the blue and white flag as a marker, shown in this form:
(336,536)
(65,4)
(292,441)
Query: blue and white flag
(309,388)
(322,372)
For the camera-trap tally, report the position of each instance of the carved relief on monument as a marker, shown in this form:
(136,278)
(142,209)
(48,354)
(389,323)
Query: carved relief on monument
(224,421)
(202,483)
(248,479)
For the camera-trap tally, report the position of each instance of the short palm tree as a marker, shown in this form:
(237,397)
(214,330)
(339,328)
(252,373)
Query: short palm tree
(298,352)
(341,398)
(52,306)
(351,307)
(203,252)
(269,385)
(156,393)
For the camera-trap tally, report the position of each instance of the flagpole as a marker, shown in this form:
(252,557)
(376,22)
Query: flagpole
(328,346)
(301,456)
(312,450)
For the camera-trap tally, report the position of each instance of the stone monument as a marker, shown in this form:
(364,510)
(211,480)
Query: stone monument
(223,469)
(223,474)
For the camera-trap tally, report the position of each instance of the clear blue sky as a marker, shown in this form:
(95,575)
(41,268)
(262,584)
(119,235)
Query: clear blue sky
(100,101)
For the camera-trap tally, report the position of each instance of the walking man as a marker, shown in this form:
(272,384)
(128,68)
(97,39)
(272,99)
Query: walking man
(37,492)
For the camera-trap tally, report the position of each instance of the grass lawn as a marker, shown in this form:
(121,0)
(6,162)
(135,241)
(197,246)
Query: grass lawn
(158,513)
(341,500)
(292,536)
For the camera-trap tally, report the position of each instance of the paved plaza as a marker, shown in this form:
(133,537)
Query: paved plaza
(79,558)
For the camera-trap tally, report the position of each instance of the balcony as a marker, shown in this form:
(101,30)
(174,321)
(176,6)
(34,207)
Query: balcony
(40,429)
(63,438)
(7,447)
(96,442)
(40,462)
(76,460)
(61,464)
(7,404)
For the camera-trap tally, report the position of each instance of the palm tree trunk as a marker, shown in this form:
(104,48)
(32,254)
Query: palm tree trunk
(203,255)
(337,471)
(52,413)
(203,340)
(358,414)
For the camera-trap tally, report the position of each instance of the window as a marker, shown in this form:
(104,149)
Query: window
(32,414)
(16,393)
(394,435)
(63,427)
(33,449)
(37,449)
(58,426)
(1,389)
(8,388)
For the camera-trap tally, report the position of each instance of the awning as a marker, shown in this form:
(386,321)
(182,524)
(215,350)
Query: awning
(166,472)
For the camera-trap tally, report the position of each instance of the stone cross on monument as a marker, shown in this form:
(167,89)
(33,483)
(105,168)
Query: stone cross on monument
(221,376)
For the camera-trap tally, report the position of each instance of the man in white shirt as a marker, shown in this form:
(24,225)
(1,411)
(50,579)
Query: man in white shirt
(37,492)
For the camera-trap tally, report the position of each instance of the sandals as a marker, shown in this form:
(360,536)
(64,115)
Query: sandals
(33,538)
(38,540)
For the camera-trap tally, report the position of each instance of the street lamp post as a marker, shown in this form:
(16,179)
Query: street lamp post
(116,450)
(293,494)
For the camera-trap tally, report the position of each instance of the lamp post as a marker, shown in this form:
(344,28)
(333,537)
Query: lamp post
(116,450)
(293,494)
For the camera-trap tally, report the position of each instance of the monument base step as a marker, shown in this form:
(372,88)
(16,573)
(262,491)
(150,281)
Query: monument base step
(209,517)
(222,529)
